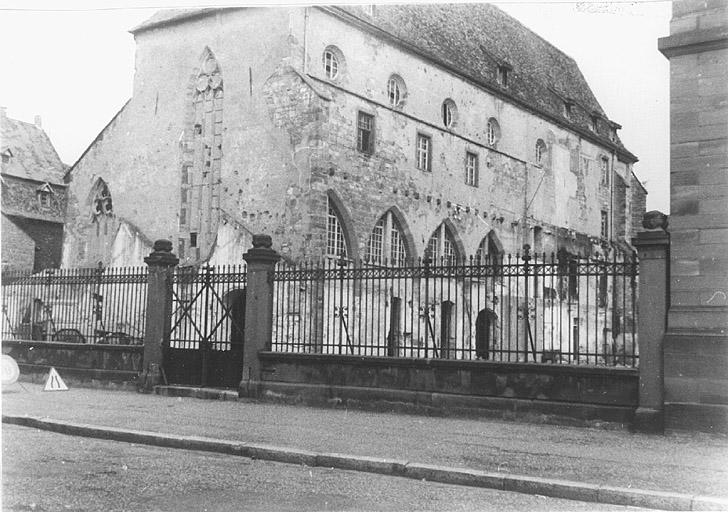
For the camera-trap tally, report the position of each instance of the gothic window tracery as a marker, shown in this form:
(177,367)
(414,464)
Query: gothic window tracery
(386,243)
(199,211)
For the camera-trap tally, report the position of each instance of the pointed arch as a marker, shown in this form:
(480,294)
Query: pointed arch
(99,199)
(444,243)
(390,240)
(339,228)
(490,247)
(199,209)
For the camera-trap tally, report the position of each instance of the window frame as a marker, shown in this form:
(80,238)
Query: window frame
(340,244)
(492,132)
(360,147)
(604,167)
(427,154)
(604,227)
(472,169)
(396,81)
(540,151)
(449,114)
(332,66)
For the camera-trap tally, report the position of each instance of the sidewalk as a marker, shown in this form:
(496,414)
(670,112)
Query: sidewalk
(692,464)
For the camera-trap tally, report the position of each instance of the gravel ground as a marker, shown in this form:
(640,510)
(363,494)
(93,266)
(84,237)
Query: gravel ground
(44,471)
(687,463)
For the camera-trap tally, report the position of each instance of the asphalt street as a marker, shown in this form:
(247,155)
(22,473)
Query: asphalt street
(45,471)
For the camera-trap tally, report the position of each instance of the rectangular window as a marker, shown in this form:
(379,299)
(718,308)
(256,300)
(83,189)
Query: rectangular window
(605,171)
(584,165)
(424,152)
(605,224)
(471,169)
(193,239)
(365,133)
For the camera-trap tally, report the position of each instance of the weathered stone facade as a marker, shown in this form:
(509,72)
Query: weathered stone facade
(33,197)
(696,343)
(283,147)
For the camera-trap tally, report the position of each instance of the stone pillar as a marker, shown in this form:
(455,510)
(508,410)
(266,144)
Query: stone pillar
(653,250)
(261,260)
(161,264)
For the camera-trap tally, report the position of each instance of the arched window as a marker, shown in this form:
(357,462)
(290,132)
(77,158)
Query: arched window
(335,239)
(489,250)
(540,151)
(449,113)
(396,91)
(386,243)
(493,133)
(333,62)
(101,203)
(441,246)
(103,223)
(199,206)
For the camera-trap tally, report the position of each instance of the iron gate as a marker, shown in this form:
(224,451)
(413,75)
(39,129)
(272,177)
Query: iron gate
(206,338)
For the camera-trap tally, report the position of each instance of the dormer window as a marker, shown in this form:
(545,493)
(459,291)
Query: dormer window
(567,109)
(44,193)
(503,74)
(7,155)
(595,123)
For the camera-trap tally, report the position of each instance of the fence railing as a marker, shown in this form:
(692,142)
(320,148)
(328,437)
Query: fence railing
(93,305)
(558,309)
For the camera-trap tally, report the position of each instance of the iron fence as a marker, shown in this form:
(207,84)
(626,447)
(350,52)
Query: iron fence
(90,305)
(558,309)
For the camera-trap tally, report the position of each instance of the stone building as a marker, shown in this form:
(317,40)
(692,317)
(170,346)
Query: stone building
(33,197)
(374,132)
(696,343)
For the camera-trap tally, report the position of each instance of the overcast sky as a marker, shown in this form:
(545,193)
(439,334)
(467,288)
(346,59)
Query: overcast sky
(72,63)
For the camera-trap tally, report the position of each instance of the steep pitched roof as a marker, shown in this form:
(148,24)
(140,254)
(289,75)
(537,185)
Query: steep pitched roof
(33,154)
(472,40)
(475,39)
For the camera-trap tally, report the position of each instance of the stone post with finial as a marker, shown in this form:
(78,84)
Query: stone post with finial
(261,260)
(161,263)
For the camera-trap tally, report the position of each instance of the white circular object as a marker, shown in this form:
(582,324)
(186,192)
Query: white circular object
(10,370)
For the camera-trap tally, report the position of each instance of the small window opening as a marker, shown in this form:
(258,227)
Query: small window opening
(449,113)
(193,239)
(540,151)
(365,133)
(471,169)
(424,152)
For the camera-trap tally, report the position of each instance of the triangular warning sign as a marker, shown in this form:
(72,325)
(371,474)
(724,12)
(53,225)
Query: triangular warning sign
(54,382)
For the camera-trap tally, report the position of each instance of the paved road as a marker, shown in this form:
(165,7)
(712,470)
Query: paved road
(44,471)
(693,464)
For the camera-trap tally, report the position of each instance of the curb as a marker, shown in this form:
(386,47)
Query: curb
(448,475)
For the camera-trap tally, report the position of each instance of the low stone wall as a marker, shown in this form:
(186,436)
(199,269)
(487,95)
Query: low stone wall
(79,362)
(584,393)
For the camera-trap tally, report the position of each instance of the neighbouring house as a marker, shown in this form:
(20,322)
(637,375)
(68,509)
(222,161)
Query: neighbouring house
(372,132)
(33,197)
(696,342)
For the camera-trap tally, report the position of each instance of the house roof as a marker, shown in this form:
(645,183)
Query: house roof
(473,40)
(33,154)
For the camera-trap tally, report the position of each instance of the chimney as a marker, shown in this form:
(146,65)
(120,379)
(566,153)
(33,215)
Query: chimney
(3,112)
(38,122)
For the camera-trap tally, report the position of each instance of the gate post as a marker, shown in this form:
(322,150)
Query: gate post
(161,264)
(261,260)
(653,250)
